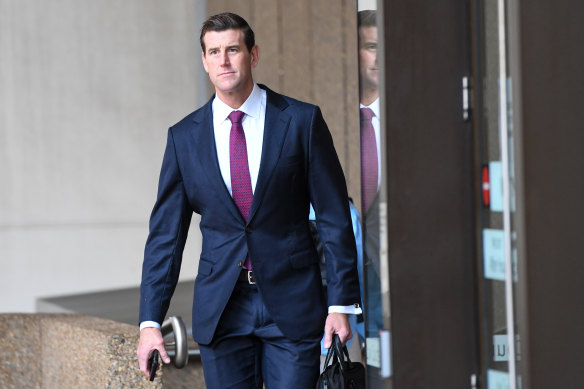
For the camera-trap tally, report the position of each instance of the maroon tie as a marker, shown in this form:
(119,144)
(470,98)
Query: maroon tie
(369,167)
(240,178)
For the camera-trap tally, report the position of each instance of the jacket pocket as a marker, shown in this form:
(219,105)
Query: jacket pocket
(205,267)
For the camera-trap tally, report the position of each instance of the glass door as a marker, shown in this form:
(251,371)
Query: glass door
(500,338)
(376,332)
(419,246)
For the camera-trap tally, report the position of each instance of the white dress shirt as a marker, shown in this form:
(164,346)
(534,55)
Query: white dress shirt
(253,127)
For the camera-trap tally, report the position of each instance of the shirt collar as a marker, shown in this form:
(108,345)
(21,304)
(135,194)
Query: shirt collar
(250,107)
(374,106)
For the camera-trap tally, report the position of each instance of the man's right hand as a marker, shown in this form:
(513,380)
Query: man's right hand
(150,339)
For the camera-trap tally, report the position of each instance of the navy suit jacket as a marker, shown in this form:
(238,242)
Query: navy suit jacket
(298,166)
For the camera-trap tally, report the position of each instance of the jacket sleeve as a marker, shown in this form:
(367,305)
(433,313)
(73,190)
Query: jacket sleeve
(169,224)
(328,194)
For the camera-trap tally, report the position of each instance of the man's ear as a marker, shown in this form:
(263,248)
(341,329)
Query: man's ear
(255,56)
(204,61)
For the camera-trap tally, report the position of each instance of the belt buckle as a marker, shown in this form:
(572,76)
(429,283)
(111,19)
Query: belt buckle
(250,278)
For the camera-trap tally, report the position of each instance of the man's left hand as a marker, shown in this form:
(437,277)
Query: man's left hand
(337,323)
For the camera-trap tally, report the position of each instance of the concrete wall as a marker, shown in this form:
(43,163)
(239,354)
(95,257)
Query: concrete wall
(87,92)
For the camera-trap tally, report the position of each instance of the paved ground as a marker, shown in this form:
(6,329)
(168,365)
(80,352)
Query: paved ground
(190,377)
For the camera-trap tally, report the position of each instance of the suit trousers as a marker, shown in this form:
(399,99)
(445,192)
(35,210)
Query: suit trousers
(248,349)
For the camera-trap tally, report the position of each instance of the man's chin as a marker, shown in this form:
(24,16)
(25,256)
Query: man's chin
(226,87)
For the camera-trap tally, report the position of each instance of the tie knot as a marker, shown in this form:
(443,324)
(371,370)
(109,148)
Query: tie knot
(366,114)
(236,116)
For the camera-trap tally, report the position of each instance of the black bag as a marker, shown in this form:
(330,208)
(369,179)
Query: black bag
(342,373)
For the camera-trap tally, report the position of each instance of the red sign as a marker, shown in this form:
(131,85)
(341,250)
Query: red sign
(486,186)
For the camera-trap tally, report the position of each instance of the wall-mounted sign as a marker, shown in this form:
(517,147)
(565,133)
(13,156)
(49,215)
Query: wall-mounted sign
(494,254)
(501,348)
(496,186)
(486,186)
(385,339)
(373,352)
(497,379)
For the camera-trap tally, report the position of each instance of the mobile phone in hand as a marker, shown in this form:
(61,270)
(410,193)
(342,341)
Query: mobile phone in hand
(153,363)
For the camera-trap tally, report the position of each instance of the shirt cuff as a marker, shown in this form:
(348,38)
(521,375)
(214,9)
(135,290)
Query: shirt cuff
(354,309)
(148,324)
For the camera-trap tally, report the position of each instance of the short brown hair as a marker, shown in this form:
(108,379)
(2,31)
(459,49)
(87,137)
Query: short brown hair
(367,18)
(228,21)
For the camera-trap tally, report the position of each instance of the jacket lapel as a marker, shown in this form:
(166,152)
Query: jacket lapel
(206,151)
(275,128)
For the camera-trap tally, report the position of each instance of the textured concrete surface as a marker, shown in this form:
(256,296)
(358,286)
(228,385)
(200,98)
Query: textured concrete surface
(121,306)
(87,352)
(20,358)
(69,351)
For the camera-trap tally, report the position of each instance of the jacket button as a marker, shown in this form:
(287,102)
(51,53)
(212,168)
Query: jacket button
(239,264)
(248,229)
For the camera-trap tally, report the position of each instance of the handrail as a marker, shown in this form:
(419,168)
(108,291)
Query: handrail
(176,325)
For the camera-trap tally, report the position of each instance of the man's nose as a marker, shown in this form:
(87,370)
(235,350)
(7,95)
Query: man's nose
(224,59)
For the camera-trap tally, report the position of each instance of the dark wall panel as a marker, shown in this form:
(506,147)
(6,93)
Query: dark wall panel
(431,228)
(551,317)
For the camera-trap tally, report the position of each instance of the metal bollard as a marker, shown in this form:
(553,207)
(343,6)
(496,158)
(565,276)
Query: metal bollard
(176,326)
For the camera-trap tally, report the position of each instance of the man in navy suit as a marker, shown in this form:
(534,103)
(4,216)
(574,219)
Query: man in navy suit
(250,162)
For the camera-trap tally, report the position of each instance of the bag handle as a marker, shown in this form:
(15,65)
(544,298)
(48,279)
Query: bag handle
(342,353)
(339,351)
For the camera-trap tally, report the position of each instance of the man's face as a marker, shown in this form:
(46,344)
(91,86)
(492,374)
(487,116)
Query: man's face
(368,71)
(228,61)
